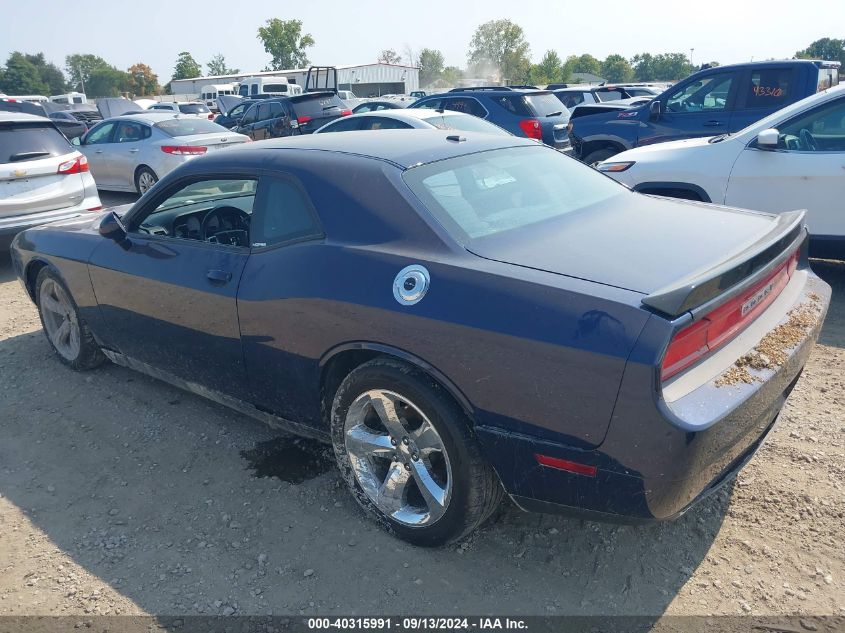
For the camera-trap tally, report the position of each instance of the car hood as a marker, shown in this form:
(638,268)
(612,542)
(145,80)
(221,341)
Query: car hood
(116,106)
(632,241)
(227,102)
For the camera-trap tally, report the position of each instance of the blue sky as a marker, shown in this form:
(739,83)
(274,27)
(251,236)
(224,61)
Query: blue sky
(351,32)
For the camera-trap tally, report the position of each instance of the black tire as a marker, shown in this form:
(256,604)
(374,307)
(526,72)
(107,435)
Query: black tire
(146,172)
(476,491)
(599,155)
(89,354)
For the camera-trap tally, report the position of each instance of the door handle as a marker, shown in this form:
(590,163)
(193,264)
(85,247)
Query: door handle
(98,151)
(218,276)
(134,151)
(713,124)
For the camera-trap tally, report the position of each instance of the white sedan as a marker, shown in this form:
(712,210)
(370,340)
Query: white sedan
(793,159)
(412,118)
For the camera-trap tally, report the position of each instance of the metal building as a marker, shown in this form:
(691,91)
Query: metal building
(365,80)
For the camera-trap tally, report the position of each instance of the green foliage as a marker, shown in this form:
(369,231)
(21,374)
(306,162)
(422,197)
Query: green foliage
(389,56)
(79,67)
(585,63)
(616,69)
(186,67)
(21,77)
(663,67)
(828,49)
(49,73)
(501,43)
(431,63)
(106,82)
(217,66)
(549,70)
(284,41)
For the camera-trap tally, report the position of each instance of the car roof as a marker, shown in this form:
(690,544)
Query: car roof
(395,146)
(145,117)
(20,117)
(407,114)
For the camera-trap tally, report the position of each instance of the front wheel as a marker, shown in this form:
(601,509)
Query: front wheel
(66,331)
(405,450)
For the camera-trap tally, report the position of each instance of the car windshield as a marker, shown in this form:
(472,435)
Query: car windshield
(608,95)
(188,127)
(467,123)
(493,192)
(30,141)
(193,108)
(545,104)
(208,190)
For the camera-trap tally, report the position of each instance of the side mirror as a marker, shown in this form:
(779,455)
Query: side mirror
(655,109)
(768,139)
(112,228)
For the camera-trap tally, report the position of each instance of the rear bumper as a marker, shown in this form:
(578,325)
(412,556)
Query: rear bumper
(12,225)
(658,459)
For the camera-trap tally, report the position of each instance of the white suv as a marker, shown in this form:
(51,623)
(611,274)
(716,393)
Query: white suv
(793,159)
(42,178)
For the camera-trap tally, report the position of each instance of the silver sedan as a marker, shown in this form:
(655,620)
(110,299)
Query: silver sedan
(131,152)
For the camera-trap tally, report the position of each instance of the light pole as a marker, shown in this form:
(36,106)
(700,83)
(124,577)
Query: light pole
(690,56)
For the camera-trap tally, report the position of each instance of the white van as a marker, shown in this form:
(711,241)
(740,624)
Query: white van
(33,98)
(210,92)
(278,86)
(71,97)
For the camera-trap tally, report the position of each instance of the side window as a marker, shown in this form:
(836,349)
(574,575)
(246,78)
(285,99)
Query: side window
(433,104)
(237,110)
(249,117)
(276,110)
(344,125)
(263,112)
(128,132)
(382,123)
(570,99)
(466,105)
(769,88)
(217,211)
(822,129)
(708,93)
(514,105)
(100,134)
(253,89)
(283,214)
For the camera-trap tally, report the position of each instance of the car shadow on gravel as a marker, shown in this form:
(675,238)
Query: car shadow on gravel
(157,493)
(833,272)
(7,273)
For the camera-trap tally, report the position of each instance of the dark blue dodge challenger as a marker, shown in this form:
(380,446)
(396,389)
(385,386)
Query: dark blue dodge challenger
(462,317)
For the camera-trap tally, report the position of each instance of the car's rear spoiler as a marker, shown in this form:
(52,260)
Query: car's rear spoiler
(736,273)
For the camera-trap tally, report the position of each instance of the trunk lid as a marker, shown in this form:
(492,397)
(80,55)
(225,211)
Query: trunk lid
(313,110)
(34,185)
(212,141)
(678,254)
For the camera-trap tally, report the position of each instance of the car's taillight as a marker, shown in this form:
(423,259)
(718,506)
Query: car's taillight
(722,324)
(345,112)
(73,166)
(531,127)
(303,119)
(184,150)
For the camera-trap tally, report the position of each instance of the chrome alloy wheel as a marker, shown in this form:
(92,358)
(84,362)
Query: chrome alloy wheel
(59,319)
(145,181)
(398,458)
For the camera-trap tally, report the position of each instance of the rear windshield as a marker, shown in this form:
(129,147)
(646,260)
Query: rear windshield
(193,108)
(488,193)
(317,104)
(545,104)
(188,127)
(30,141)
(275,87)
(466,123)
(609,95)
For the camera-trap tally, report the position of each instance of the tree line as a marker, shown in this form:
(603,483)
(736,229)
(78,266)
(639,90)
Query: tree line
(498,49)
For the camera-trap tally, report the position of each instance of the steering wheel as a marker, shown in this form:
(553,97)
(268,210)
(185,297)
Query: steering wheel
(219,213)
(808,141)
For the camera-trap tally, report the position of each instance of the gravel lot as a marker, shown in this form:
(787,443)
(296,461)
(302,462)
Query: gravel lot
(120,494)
